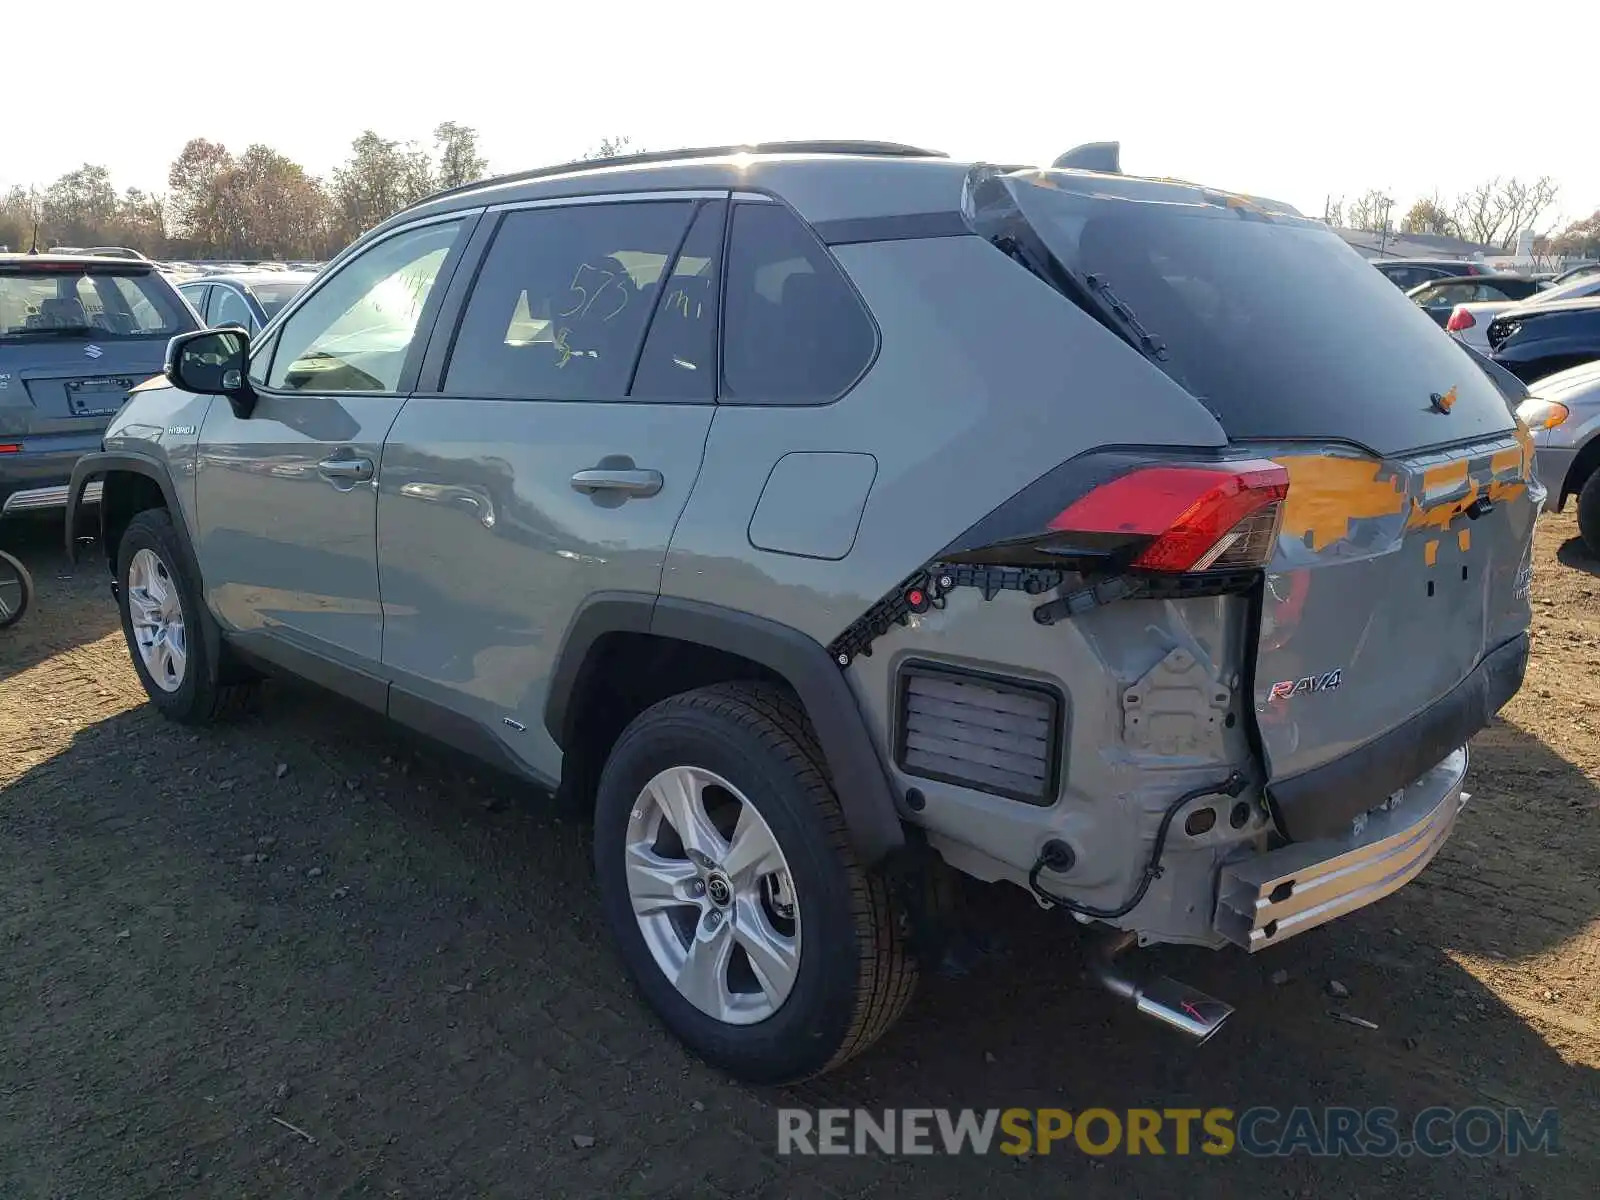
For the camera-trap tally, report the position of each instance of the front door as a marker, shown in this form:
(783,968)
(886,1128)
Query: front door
(286,498)
(551,457)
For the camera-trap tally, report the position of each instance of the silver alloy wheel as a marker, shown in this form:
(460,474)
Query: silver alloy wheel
(713,895)
(156,613)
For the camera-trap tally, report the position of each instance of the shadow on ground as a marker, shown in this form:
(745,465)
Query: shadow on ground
(1575,554)
(59,618)
(307,917)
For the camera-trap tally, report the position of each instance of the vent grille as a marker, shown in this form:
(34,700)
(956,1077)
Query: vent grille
(991,734)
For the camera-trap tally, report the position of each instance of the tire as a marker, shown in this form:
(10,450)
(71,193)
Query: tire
(16,590)
(851,976)
(1589,513)
(151,563)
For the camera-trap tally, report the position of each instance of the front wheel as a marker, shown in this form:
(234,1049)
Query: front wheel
(163,619)
(729,884)
(16,590)
(1589,513)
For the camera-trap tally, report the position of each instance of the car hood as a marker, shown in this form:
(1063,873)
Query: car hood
(1575,385)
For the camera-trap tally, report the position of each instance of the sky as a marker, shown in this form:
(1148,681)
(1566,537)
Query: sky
(1290,101)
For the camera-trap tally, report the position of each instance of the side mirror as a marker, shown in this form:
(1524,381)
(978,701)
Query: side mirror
(212,362)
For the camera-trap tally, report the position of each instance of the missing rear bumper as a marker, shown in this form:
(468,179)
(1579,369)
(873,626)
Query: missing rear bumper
(1269,898)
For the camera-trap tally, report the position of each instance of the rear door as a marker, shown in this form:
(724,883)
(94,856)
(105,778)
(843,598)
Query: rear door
(548,452)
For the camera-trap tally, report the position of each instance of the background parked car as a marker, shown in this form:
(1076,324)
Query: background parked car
(1440,298)
(77,333)
(1563,410)
(1470,321)
(1407,273)
(249,298)
(1535,340)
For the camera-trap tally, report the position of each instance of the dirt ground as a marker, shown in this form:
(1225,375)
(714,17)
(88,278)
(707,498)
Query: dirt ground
(310,918)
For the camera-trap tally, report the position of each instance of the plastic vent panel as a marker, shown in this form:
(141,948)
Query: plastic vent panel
(996,735)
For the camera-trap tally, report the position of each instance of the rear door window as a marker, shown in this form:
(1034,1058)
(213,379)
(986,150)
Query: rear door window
(794,330)
(679,361)
(560,305)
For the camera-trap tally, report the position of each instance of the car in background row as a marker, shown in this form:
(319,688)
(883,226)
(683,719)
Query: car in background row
(1440,298)
(77,334)
(1407,273)
(248,299)
(1469,321)
(1535,340)
(1563,411)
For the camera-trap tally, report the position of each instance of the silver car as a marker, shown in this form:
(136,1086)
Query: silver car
(1563,410)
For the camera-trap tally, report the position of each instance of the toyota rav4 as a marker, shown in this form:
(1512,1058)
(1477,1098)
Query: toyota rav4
(831,517)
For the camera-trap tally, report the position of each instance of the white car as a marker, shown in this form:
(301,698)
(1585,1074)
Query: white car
(1470,322)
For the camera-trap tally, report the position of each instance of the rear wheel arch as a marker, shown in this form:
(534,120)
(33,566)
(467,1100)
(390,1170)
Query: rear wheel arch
(1583,466)
(663,647)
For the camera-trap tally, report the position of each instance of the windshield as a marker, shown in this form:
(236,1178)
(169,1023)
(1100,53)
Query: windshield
(44,304)
(273,294)
(1268,318)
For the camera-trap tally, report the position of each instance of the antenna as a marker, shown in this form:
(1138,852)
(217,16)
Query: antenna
(34,249)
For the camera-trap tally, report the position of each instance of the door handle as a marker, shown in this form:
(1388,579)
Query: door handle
(609,479)
(356,469)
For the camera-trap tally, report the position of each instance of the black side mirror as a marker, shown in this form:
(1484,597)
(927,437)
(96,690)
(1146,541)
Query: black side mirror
(212,362)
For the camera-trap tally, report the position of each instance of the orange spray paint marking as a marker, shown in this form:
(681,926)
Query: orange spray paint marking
(1430,552)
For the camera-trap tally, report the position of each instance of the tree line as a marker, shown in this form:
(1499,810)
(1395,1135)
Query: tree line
(1494,213)
(256,204)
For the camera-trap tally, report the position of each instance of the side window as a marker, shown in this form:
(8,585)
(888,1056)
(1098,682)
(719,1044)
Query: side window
(195,294)
(229,308)
(354,332)
(794,332)
(679,361)
(560,304)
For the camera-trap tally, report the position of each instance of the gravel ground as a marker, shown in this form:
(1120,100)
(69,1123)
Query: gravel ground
(307,955)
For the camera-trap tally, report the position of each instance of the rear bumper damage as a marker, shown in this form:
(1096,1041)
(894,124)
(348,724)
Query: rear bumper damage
(1270,897)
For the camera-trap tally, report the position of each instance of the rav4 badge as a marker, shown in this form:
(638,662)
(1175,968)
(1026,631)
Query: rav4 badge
(1325,682)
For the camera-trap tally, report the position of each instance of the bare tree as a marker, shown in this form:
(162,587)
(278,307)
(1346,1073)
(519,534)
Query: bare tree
(1369,211)
(457,149)
(1495,212)
(1428,215)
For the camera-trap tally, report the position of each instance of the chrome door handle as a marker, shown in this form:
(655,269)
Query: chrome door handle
(632,483)
(356,469)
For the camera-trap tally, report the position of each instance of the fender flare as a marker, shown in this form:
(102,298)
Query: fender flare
(858,773)
(104,462)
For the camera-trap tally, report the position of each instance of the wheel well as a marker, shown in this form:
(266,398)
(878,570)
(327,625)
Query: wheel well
(623,674)
(1578,473)
(123,496)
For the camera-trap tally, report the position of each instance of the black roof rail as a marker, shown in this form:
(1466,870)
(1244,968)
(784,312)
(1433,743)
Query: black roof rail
(644,158)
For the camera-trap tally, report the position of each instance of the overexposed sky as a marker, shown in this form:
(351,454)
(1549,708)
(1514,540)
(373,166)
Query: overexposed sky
(1287,100)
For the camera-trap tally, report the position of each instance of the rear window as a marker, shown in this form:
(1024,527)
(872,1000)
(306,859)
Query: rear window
(1269,319)
(47,304)
(273,295)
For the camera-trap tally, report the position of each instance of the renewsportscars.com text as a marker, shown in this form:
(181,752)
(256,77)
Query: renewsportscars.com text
(1258,1132)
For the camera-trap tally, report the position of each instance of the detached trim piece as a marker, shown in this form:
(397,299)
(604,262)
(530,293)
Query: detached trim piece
(849,230)
(1322,802)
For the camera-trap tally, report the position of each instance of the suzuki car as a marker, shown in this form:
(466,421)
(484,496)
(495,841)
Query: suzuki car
(77,334)
(831,518)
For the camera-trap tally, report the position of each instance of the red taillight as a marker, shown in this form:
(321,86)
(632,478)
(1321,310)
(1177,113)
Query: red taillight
(1460,319)
(10,448)
(1197,517)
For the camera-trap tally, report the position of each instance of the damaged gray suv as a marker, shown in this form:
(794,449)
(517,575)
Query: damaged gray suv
(833,517)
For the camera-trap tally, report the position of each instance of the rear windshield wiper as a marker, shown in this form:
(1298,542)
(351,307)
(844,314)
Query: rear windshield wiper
(66,331)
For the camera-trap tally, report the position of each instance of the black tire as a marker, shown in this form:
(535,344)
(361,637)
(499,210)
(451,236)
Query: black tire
(16,590)
(855,976)
(202,695)
(1589,513)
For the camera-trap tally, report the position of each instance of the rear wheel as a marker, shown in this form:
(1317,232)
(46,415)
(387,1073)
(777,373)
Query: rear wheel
(163,619)
(729,884)
(1589,513)
(16,590)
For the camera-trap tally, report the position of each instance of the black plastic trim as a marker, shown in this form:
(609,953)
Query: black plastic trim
(471,737)
(600,614)
(1323,802)
(859,774)
(1000,683)
(101,462)
(903,227)
(270,650)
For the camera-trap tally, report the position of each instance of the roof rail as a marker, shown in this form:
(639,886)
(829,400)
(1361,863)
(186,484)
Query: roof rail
(644,158)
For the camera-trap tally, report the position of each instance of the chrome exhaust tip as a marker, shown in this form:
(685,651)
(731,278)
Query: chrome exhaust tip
(1177,1005)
